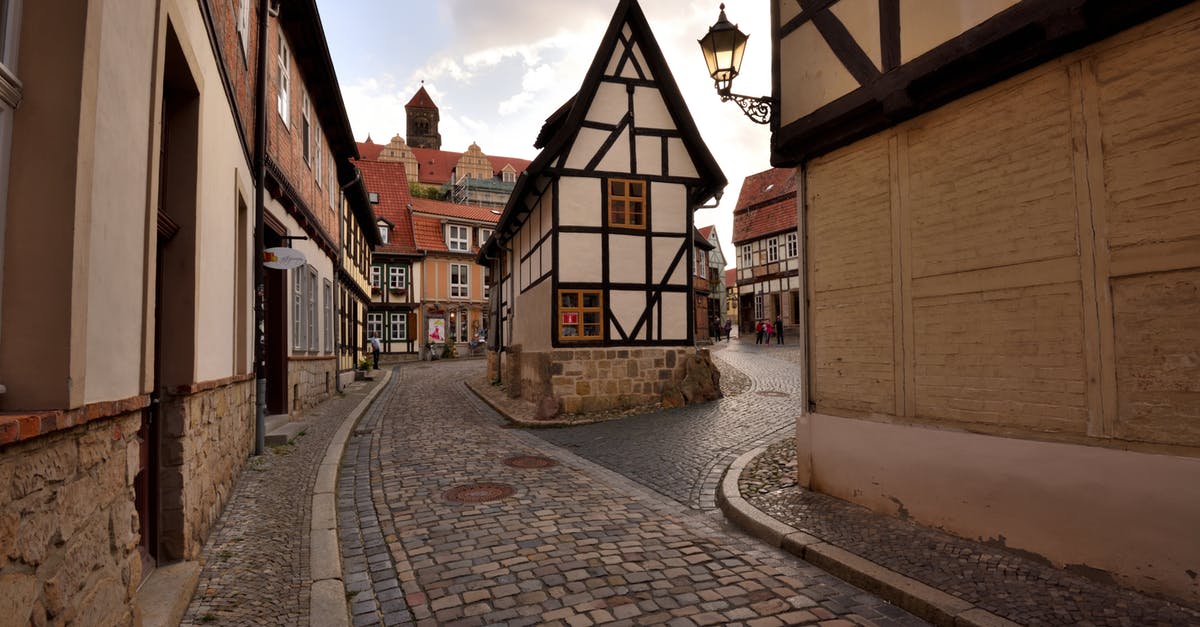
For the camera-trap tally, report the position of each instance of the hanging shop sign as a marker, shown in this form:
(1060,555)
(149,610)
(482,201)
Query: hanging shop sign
(283,258)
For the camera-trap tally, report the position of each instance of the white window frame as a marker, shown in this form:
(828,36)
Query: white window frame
(508,176)
(328,317)
(773,250)
(701,264)
(333,189)
(283,64)
(243,27)
(747,256)
(375,325)
(318,156)
(314,329)
(398,327)
(397,277)
(298,327)
(484,234)
(306,133)
(458,238)
(793,245)
(376,275)
(460,289)
(383,233)
(758,307)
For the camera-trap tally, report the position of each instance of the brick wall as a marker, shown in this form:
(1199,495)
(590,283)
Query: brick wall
(68,527)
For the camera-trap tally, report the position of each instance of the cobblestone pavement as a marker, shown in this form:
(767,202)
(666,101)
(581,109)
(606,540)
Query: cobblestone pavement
(682,452)
(573,544)
(1008,584)
(255,562)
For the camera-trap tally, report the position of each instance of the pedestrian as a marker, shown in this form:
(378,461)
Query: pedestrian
(715,327)
(778,330)
(767,328)
(376,347)
(728,328)
(758,331)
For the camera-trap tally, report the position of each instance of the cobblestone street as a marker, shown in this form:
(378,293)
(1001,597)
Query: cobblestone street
(682,452)
(570,543)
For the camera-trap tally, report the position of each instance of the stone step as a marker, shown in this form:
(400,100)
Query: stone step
(280,432)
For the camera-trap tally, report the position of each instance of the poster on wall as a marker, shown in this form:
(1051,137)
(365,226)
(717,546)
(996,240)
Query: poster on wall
(437,330)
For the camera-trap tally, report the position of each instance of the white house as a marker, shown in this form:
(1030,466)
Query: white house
(592,256)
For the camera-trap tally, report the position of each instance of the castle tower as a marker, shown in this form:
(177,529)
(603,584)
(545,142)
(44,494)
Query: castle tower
(423,120)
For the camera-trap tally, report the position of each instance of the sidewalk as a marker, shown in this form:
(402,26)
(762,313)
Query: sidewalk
(942,578)
(269,559)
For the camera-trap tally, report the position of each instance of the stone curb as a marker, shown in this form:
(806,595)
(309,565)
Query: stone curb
(923,601)
(327,596)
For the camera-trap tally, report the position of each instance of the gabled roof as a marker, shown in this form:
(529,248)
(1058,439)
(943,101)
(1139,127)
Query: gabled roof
(388,180)
(731,278)
(700,240)
(767,186)
(370,150)
(766,205)
(561,127)
(498,164)
(429,235)
(436,166)
(421,100)
(706,231)
(451,210)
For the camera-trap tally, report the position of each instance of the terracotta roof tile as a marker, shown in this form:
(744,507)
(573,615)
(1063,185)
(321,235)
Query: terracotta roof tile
(428,233)
(369,150)
(421,100)
(388,180)
(498,164)
(766,205)
(706,231)
(731,277)
(451,210)
(436,166)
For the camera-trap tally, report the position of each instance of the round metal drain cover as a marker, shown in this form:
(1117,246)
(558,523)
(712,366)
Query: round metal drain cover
(479,492)
(530,461)
(774,393)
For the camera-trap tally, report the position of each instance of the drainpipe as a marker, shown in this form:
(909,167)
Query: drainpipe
(260,181)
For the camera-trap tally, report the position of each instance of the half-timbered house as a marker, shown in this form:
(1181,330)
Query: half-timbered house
(593,253)
(1000,235)
(768,249)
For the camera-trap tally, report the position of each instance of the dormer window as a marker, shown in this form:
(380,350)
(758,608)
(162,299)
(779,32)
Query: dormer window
(508,176)
(383,233)
(458,238)
(373,197)
(484,234)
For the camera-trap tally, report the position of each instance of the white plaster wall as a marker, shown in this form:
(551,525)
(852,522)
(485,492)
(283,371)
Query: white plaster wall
(617,157)
(626,307)
(117,267)
(649,155)
(1133,514)
(610,104)
(579,253)
(668,201)
(665,249)
(579,201)
(675,320)
(680,160)
(649,109)
(812,75)
(532,313)
(587,143)
(627,259)
(861,18)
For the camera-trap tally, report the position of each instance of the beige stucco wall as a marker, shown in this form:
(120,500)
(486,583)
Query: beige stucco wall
(1133,514)
(531,318)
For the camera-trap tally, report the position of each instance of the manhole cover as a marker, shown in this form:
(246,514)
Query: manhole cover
(530,461)
(479,492)
(774,393)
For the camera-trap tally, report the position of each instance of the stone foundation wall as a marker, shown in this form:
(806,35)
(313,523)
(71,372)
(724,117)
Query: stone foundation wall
(589,380)
(68,526)
(310,381)
(207,437)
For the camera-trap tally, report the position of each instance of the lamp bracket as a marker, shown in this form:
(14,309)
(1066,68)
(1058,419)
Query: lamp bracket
(760,110)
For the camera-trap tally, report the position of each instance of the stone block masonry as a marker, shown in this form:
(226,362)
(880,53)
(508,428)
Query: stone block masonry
(587,380)
(310,381)
(68,526)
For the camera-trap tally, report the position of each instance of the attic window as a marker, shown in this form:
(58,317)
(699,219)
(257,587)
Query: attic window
(373,197)
(627,203)
(508,177)
(383,233)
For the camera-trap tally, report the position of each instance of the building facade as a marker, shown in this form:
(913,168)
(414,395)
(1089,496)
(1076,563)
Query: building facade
(593,256)
(359,238)
(718,293)
(731,297)
(1001,233)
(706,315)
(395,283)
(768,249)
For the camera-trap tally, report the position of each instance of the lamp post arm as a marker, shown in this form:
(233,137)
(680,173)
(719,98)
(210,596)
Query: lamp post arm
(760,110)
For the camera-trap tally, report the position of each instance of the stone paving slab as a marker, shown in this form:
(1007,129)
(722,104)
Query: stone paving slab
(574,543)
(947,579)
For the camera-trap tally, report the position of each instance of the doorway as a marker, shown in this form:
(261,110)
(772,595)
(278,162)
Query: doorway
(275,296)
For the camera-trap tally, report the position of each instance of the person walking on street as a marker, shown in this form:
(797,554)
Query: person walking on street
(728,328)
(778,330)
(758,331)
(767,332)
(376,347)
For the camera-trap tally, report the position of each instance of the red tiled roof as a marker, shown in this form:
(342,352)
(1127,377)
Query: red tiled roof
(766,186)
(421,100)
(766,205)
(436,166)
(706,231)
(731,277)
(388,180)
(756,223)
(428,234)
(370,150)
(498,164)
(451,210)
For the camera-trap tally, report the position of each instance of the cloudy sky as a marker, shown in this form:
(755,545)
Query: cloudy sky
(497,69)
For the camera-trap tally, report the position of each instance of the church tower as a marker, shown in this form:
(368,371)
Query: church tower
(423,121)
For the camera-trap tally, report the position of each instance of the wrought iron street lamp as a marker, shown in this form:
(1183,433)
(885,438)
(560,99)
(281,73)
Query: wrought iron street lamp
(723,48)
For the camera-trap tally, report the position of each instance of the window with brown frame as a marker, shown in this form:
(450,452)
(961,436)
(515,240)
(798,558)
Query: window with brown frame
(627,203)
(579,315)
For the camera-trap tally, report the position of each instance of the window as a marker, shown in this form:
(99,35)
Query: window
(458,238)
(314,333)
(398,329)
(627,203)
(333,190)
(306,126)
(508,176)
(579,315)
(375,325)
(701,264)
(487,283)
(758,307)
(747,258)
(243,26)
(373,197)
(793,246)
(773,250)
(459,281)
(397,277)
(376,271)
(484,234)
(383,233)
(328,317)
(298,280)
(320,156)
(283,64)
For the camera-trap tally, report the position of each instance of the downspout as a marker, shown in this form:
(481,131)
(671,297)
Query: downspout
(260,181)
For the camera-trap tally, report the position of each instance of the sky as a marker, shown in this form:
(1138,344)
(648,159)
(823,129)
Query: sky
(497,70)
